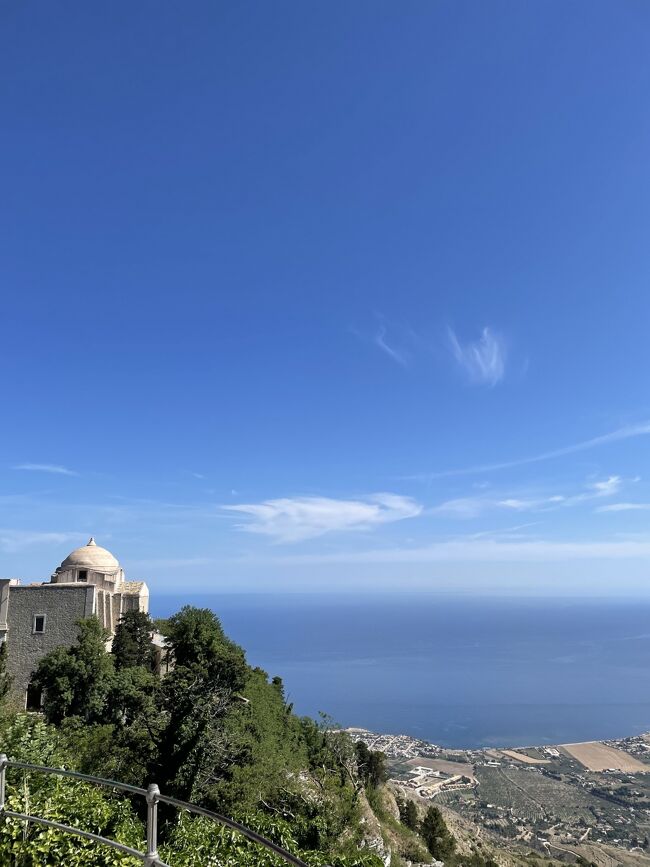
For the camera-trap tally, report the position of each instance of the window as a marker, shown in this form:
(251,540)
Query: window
(33,698)
(38,625)
(83,575)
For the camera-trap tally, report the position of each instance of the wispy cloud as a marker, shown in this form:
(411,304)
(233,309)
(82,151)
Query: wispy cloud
(482,360)
(473,507)
(604,488)
(172,562)
(299,518)
(491,550)
(624,507)
(397,355)
(56,469)
(12,541)
(465,507)
(623,433)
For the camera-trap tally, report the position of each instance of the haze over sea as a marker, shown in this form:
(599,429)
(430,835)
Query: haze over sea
(459,671)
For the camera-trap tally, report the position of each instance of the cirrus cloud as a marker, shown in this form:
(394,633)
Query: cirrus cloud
(293,519)
(625,507)
(54,469)
(12,541)
(474,507)
(482,360)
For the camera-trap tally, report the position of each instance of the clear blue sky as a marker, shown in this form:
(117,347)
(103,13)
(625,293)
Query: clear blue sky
(328,295)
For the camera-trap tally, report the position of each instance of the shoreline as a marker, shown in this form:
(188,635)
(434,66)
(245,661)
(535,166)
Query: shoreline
(357,730)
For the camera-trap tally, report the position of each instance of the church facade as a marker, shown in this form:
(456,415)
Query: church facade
(37,618)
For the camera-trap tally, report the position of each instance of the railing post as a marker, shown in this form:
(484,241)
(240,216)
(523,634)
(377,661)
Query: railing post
(3,771)
(153,793)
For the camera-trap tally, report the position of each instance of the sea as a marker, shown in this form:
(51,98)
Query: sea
(462,672)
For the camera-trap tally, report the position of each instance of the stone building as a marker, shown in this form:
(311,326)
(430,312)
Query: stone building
(36,618)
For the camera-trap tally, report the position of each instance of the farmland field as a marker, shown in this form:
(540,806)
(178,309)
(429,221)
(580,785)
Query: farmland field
(531,794)
(599,757)
(522,757)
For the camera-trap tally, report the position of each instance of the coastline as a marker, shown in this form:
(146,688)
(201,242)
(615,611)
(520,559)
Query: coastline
(357,733)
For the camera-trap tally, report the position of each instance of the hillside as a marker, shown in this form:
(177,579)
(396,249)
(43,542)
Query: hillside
(214,731)
(220,733)
(571,801)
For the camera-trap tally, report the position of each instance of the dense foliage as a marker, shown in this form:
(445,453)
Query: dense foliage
(408,814)
(76,681)
(5,680)
(60,799)
(371,765)
(132,644)
(433,829)
(212,730)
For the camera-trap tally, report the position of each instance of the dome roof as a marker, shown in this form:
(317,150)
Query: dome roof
(91,556)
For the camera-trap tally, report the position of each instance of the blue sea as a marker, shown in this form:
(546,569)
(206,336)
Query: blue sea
(461,672)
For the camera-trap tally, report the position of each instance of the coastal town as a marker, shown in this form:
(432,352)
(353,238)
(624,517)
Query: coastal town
(561,801)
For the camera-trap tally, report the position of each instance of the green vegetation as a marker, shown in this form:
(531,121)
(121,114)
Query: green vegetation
(408,814)
(213,731)
(5,680)
(28,739)
(132,645)
(404,842)
(436,835)
(77,681)
(371,765)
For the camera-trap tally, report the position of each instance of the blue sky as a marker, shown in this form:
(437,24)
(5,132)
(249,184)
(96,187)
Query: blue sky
(328,295)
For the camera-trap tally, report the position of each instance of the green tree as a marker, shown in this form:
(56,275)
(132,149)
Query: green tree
(408,813)
(193,703)
(197,641)
(266,741)
(186,842)
(371,765)
(5,679)
(61,799)
(212,731)
(77,680)
(132,644)
(436,835)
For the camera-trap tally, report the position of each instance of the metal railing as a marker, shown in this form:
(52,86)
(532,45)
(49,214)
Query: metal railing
(153,797)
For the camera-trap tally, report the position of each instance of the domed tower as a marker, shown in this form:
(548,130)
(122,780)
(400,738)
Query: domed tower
(36,618)
(90,564)
(93,565)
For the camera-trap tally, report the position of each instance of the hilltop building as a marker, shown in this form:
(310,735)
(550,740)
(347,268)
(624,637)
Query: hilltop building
(36,618)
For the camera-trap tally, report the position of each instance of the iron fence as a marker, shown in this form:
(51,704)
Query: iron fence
(153,797)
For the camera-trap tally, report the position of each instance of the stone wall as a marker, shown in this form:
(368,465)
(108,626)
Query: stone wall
(62,605)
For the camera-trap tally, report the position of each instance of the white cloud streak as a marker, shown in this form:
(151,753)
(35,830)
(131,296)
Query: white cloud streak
(624,507)
(473,507)
(603,489)
(55,469)
(397,356)
(623,433)
(12,541)
(474,550)
(299,518)
(483,360)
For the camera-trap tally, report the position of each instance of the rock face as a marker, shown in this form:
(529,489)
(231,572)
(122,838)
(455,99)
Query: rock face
(371,835)
(388,803)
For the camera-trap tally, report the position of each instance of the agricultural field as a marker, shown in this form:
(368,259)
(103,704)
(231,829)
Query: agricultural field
(523,757)
(596,756)
(559,799)
(533,795)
